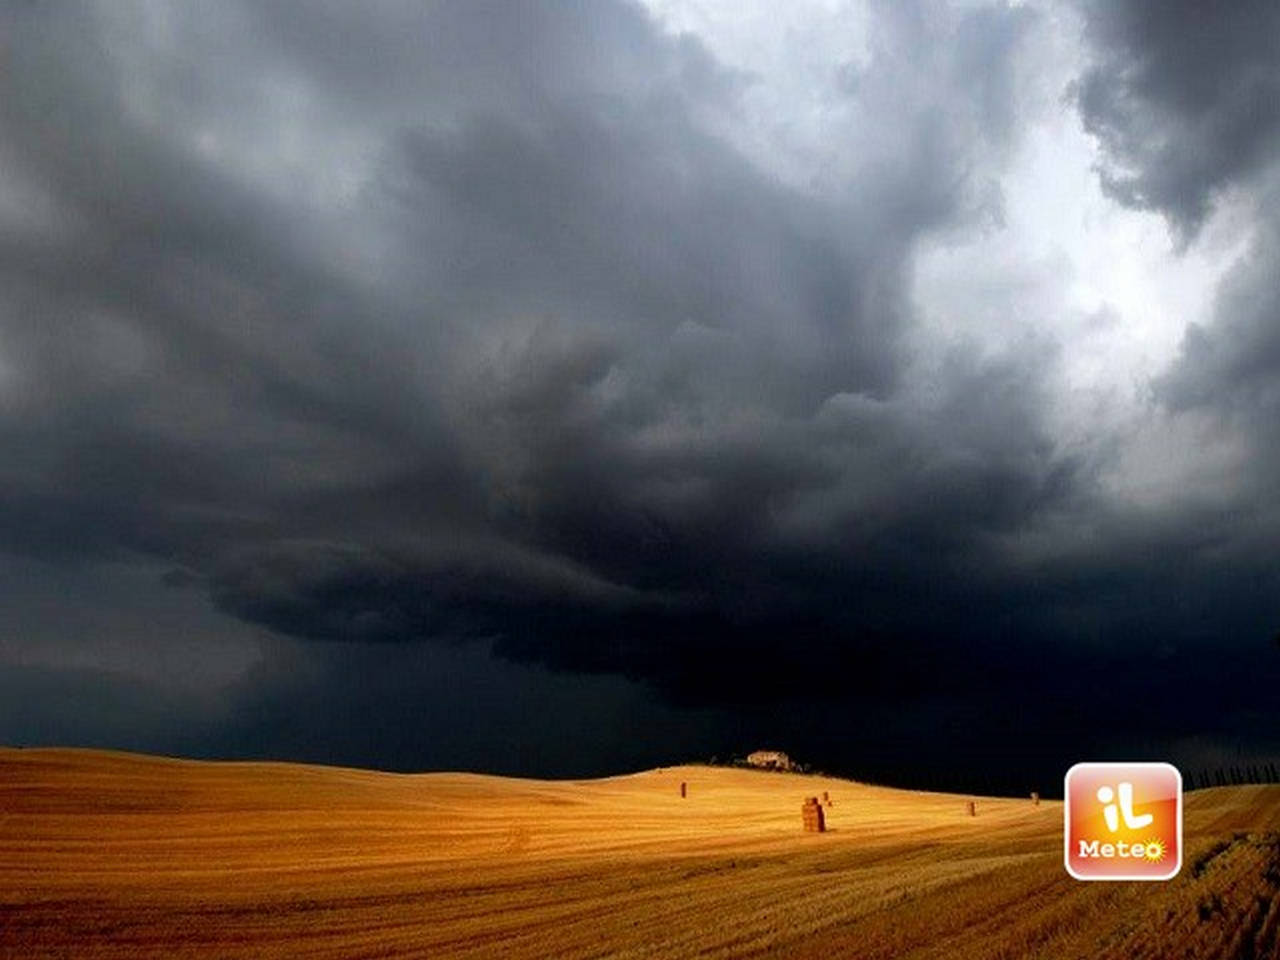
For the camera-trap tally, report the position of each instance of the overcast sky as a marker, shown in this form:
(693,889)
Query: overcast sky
(559,388)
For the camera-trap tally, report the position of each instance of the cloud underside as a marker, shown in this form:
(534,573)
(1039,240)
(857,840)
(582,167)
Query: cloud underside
(482,324)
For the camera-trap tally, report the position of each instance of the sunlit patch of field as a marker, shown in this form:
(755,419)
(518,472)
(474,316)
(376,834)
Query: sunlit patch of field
(115,855)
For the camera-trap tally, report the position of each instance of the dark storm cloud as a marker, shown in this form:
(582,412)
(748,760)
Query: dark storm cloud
(92,708)
(1184,97)
(1232,367)
(474,324)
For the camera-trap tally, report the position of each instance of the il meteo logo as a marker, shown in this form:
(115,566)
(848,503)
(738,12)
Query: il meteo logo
(1123,821)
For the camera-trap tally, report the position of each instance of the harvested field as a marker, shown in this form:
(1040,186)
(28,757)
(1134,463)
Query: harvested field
(117,855)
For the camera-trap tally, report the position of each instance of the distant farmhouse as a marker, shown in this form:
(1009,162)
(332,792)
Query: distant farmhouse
(770,760)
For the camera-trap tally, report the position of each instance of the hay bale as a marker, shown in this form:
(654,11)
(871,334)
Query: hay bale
(812,817)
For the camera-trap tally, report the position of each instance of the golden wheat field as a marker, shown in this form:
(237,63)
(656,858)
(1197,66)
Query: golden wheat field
(118,855)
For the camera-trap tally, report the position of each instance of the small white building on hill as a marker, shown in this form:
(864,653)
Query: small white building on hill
(770,760)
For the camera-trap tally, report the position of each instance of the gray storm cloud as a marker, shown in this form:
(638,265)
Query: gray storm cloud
(1184,98)
(481,324)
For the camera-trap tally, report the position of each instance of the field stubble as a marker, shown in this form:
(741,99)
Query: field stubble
(116,855)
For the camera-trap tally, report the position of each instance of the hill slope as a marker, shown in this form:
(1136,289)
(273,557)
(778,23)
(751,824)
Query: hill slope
(117,855)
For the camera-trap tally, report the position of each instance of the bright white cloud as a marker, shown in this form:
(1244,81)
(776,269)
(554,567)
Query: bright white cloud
(1054,261)
(796,59)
